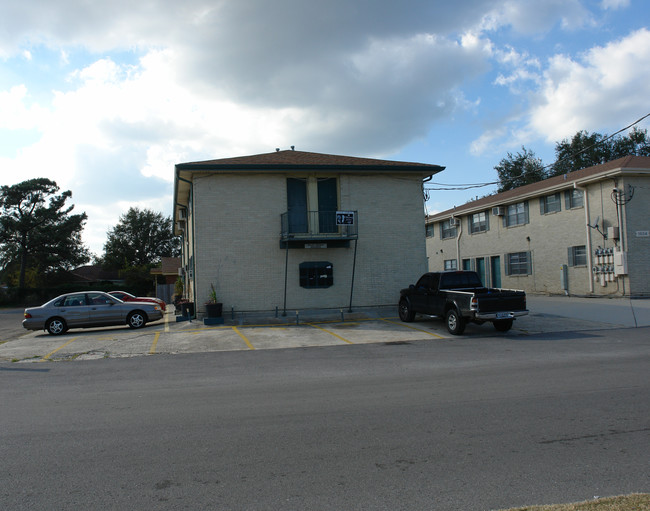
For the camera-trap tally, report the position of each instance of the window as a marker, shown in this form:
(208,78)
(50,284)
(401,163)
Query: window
(550,204)
(428,281)
(467,264)
(451,264)
(429,230)
(516,214)
(316,274)
(518,263)
(478,222)
(71,300)
(574,199)
(578,255)
(312,204)
(447,230)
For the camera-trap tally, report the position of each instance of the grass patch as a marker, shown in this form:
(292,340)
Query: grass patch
(634,502)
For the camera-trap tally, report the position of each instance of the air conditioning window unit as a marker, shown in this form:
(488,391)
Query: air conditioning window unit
(453,222)
(498,211)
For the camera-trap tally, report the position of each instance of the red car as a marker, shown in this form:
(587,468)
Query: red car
(128,297)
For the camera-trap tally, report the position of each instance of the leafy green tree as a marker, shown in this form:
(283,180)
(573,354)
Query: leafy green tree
(37,231)
(140,239)
(520,169)
(586,150)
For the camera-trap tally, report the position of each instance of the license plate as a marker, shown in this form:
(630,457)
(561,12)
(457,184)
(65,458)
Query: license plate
(503,315)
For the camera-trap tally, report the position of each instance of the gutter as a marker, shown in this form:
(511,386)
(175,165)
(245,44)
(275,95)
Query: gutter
(590,262)
(460,233)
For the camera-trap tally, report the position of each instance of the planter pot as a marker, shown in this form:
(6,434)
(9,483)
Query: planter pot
(213,310)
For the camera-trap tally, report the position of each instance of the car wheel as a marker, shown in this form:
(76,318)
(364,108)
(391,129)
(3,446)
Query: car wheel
(503,325)
(455,322)
(56,326)
(405,311)
(136,319)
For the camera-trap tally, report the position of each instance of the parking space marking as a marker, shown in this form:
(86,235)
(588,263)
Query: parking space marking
(152,350)
(60,347)
(248,343)
(414,328)
(329,332)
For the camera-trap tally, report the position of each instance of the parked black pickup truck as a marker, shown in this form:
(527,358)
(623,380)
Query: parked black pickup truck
(459,297)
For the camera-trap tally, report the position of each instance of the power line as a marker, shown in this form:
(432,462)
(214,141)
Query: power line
(468,186)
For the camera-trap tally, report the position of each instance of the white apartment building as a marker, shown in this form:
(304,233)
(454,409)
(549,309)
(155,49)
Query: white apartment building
(583,233)
(292,230)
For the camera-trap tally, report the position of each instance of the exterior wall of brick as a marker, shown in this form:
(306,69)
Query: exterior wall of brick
(637,218)
(237,227)
(548,237)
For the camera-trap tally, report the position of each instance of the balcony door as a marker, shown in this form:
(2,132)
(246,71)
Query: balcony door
(297,204)
(312,204)
(327,204)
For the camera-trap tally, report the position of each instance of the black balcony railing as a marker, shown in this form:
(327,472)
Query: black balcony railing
(317,225)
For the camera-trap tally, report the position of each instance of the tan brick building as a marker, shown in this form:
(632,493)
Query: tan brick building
(584,233)
(297,230)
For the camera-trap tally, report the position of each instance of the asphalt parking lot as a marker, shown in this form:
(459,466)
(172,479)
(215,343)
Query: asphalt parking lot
(304,329)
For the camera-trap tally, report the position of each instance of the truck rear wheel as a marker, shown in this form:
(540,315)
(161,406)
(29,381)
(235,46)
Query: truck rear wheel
(503,325)
(455,322)
(405,311)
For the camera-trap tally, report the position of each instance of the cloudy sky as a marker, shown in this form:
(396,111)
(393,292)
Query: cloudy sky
(105,97)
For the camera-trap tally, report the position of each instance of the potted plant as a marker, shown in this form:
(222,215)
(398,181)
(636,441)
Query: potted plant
(213,309)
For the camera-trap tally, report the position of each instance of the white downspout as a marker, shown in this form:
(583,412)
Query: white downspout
(590,275)
(460,233)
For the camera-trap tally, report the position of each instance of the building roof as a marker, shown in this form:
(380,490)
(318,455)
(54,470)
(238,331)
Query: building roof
(290,161)
(627,165)
(168,266)
(300,160)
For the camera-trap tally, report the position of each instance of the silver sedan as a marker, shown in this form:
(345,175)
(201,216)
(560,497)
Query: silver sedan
(89,309)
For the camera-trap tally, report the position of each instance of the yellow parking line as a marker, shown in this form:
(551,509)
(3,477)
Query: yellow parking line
(154,343)
(414,328)
(248,343)
(60,347)
(331,333)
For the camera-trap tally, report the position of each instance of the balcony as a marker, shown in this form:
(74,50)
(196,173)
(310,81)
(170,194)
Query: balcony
(319,227)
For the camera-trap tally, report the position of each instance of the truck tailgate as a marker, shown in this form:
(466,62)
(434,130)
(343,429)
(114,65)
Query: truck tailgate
(501,301)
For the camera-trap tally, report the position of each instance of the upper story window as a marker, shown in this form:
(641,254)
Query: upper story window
(550,204)
(429,230)
(479,222)
(312,204)
(574,199)
(447,230)
(516,214)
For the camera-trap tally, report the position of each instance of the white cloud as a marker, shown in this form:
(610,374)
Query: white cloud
(615,4)
(604,86)
(215,78)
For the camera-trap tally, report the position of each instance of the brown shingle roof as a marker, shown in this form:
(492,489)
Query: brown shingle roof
(305,160)
(169,266)
(627,163)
